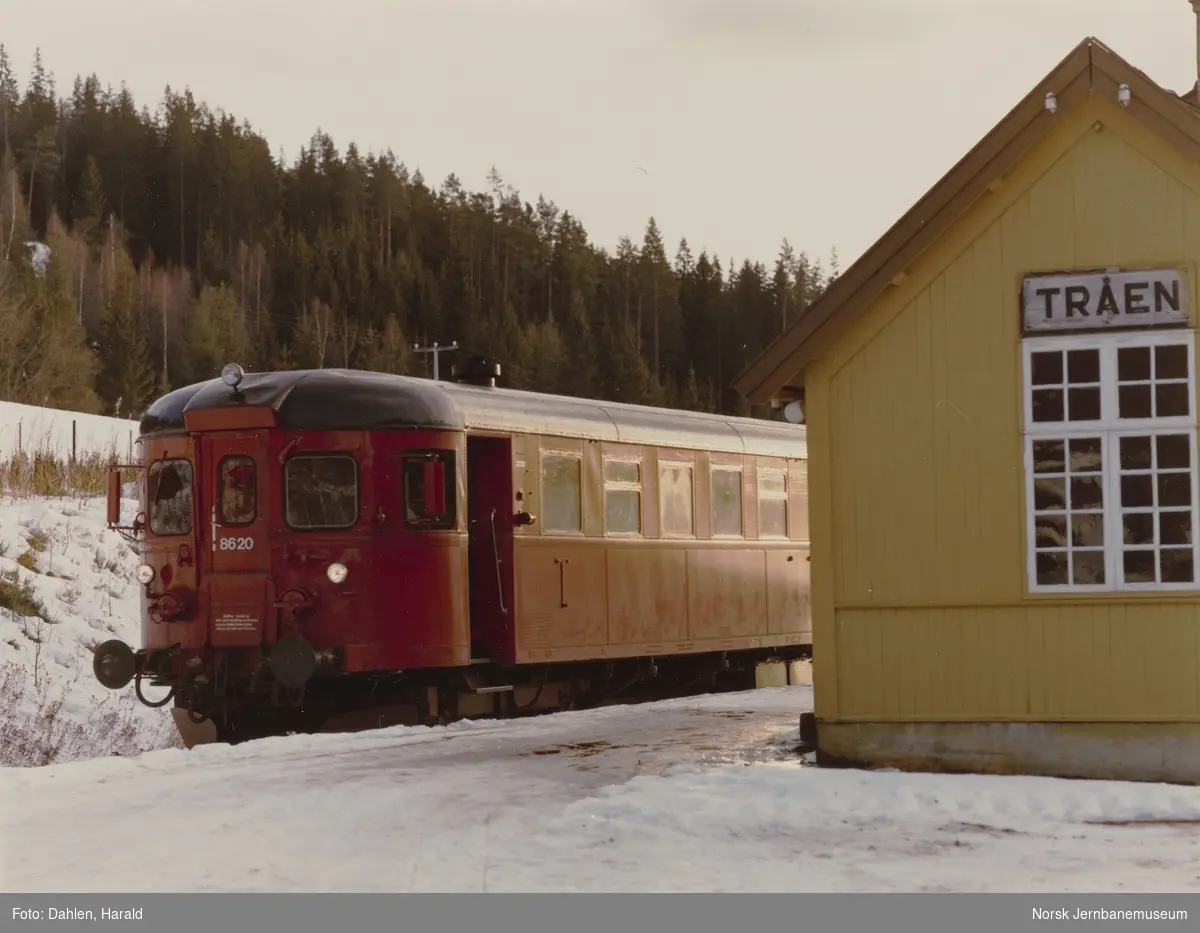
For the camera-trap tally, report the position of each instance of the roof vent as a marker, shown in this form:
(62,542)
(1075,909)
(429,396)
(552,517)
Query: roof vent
(477,371)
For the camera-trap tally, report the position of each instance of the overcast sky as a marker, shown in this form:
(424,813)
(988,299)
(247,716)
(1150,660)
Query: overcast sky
(817,120)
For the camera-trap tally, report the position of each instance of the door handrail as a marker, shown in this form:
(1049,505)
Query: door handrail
(499,575)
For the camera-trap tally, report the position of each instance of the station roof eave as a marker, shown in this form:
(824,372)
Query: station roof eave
(778,372)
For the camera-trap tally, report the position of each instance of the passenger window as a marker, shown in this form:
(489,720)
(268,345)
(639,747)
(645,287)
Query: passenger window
(239,492)
(561,493)
(321,492)
(772,504)
(429,498)
(727,501)
(622,496)
(675,486)
(170,495)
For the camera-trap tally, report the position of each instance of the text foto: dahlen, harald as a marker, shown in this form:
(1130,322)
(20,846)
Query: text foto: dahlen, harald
(75,913)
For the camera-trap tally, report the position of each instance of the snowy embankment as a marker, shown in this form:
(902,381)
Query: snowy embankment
(33,430)
(702,794)
(66,584)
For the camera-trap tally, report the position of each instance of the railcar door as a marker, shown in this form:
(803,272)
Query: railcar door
(239,553)
(490,521)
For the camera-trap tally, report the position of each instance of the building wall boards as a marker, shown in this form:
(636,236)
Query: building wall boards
(1004,476)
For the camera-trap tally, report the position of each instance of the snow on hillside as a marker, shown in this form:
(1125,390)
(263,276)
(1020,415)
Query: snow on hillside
(66,583)
(48,430)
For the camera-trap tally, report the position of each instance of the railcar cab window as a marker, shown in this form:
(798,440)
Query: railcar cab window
(1110,462)
(169,493)
(429,486)
(321,492)
(239,491)
(622,497)
(561,500)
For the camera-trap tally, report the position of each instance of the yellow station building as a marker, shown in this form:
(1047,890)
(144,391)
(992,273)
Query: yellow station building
(1001,401)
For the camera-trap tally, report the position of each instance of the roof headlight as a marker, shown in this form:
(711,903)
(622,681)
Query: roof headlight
(337,573)
(144,574)
(232,375)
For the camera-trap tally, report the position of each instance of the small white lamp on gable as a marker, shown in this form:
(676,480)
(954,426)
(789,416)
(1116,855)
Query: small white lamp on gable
(1123,95)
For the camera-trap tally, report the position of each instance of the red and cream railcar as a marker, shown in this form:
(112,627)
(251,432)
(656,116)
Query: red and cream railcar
(342,547)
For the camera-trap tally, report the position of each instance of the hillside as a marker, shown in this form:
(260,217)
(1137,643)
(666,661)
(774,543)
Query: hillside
(66,582)
(178,240)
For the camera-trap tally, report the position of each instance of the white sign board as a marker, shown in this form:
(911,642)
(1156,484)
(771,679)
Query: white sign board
(1104,300)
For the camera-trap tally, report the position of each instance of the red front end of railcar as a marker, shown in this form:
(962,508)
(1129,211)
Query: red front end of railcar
(278,563)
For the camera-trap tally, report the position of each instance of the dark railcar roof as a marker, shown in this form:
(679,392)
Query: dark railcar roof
(342,399)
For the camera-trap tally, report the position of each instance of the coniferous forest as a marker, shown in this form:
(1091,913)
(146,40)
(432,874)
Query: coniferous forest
(178,242)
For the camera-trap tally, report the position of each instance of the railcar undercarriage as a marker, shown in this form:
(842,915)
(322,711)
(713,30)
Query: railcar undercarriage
(236,696)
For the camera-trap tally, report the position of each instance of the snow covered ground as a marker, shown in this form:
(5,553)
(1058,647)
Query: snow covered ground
(689,795)
(66,582)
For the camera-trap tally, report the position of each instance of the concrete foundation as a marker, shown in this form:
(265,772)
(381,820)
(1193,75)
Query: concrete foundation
(1161,751)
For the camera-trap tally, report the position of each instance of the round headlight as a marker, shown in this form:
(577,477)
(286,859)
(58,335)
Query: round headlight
(232,375)
(144,574)
(337,573)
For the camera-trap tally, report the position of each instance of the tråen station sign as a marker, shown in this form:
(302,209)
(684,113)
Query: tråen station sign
(1109,300)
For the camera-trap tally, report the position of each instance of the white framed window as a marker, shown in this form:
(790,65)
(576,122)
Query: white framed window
(727,501)
(562,501)
(1111,462)
(772,504)
(675,498)
(622,497)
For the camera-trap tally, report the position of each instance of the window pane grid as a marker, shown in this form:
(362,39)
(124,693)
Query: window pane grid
(1110,508)
(1069,511)
(1152,382)
(1156,508)
(1066,385)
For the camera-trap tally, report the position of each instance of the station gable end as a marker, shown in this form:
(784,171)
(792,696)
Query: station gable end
(925,392)
(1002,408)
